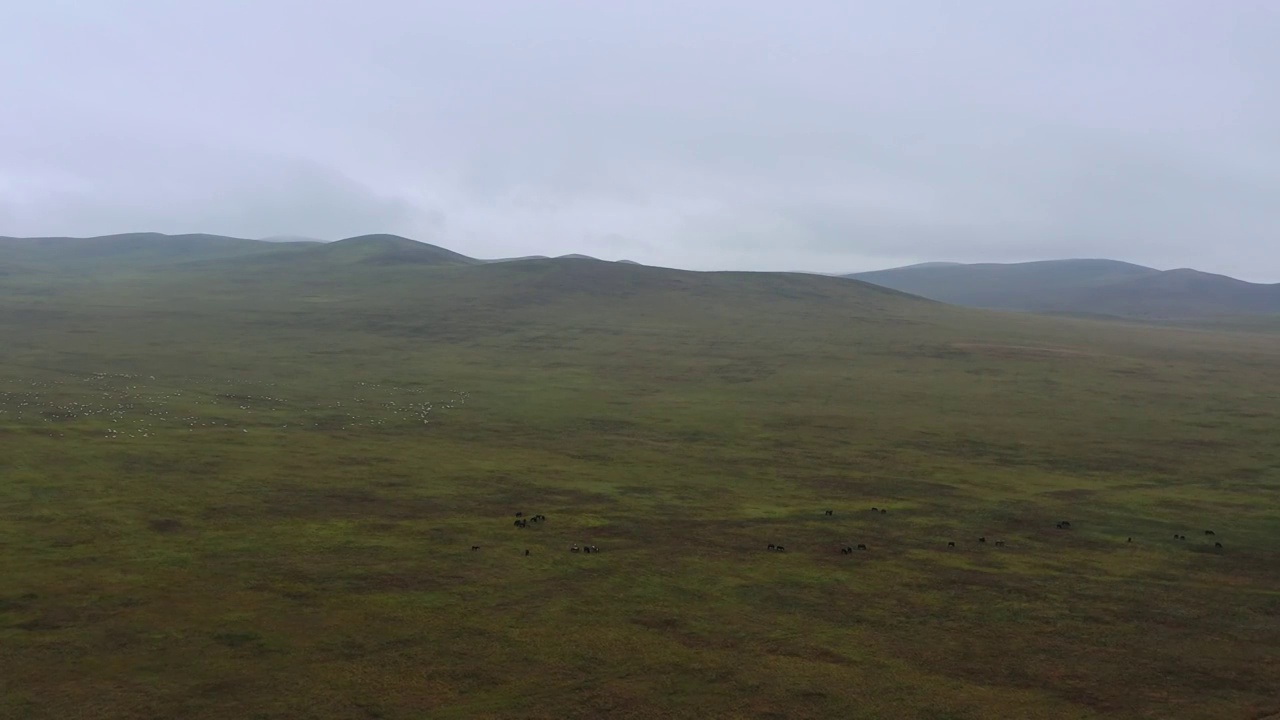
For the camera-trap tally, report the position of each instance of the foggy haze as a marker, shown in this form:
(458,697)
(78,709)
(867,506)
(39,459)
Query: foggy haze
(827,136)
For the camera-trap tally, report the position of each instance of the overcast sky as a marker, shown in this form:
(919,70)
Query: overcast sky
(745,134)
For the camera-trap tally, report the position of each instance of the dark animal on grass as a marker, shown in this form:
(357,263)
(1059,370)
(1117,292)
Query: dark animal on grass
(1209,532)
(999,543)
(883,511)
(573,548)
(862,547)
(521,523)
(595,549)
(519,514)
(779,548)
(1130,540)
(474,548)
(526,553)
(875,509)
(1066,523)
(1218,545)
(982,539)
(951,544)
(830,512)
(772,546)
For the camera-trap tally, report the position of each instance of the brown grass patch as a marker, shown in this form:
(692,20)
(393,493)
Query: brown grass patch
(1020,351)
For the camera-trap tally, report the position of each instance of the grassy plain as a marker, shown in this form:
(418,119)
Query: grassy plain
(241,491)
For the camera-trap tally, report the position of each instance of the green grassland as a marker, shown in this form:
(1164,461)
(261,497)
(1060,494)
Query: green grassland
(248,488)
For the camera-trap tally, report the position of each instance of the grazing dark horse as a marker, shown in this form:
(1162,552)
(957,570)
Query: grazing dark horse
(1218,545)
(522,523)
(779,548)
(846,551)
(475,547)
(951,544)
(883,511)
(1208,532)
(1066,523)
(982,539)
(861,546)
(829,512)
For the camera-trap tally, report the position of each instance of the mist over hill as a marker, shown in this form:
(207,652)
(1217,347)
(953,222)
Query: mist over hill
(1082,287)
(155,250)
(1093,287)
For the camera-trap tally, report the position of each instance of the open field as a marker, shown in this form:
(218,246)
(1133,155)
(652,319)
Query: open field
(229,492)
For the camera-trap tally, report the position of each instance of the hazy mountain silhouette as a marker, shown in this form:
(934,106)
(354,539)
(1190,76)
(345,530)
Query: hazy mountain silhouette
(1084,287)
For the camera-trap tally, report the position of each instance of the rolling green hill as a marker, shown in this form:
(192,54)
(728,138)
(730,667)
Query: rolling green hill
(127,253)
(257,487)
(134,252)
(385,250)
(1084,287)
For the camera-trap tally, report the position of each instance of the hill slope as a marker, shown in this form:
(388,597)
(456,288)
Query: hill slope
(140,252)
(1182,293)
(294,491)
(128,252)
(385,250)
(1084,287)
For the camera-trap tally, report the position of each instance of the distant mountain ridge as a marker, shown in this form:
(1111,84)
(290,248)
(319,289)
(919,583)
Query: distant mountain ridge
(1094,287)
(128,251)
(1080,287)
(151,250)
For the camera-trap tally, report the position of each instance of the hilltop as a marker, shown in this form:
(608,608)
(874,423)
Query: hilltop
(1083,287)
(384,250)
(135,252)
(1096,288)
(130,251)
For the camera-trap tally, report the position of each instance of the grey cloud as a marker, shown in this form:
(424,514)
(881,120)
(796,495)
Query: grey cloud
(824,134)
(248,196)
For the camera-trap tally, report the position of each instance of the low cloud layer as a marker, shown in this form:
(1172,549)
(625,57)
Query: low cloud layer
(818,135)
